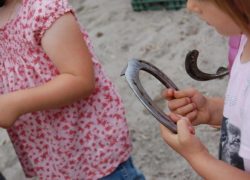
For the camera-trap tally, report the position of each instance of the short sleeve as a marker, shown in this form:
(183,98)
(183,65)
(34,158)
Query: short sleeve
(245,133)
(247,165)
(46,12)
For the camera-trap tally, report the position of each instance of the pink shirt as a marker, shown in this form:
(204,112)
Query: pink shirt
(82,141)
(234,43)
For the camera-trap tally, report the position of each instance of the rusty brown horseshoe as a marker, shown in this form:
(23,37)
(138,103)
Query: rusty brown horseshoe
(193,70)
(131,72)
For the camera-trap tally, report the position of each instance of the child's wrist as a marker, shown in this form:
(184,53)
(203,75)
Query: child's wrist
(214,111)
(198,157)
(210,105)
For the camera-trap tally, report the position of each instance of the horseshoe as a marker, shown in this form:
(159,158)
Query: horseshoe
(193,70)
(131,72)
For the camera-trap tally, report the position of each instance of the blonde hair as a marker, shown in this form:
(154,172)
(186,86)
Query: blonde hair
(238,10)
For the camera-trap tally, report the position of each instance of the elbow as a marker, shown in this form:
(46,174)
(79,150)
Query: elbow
(6,125)
(88,88)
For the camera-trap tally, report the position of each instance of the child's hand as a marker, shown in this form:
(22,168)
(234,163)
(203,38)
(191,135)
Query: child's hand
(184,142)
(189,103)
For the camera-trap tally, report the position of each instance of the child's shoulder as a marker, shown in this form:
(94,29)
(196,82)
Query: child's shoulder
(39,15)
(44,6)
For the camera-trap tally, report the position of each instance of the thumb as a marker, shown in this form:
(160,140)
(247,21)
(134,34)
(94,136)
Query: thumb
(174,117)
(185,128)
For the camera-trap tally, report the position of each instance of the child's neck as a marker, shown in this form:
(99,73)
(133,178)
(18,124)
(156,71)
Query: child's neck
(245,56)
(7,11)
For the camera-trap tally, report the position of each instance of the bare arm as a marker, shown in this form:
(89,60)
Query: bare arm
(213,169)
(64,45)
(189,146)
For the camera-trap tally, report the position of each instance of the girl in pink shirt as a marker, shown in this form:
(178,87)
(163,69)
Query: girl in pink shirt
(63,115)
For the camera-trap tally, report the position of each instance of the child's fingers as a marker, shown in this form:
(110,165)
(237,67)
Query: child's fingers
(173,94)
(184,110)
(174,117)
(169,137)
(177,103)
(184,93)
(192,116)
(185,130)
(168,94)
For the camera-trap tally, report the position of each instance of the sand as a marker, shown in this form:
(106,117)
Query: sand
(162,38)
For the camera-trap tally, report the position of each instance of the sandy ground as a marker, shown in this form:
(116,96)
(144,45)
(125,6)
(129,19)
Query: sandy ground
(162,38)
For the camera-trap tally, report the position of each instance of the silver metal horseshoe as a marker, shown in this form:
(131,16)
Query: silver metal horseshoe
(194,72)
(131,72)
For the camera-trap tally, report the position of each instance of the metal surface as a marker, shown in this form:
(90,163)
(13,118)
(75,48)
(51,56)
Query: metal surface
(193,70)
(131,72)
